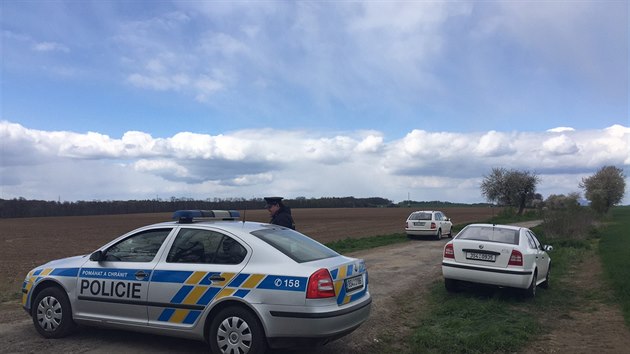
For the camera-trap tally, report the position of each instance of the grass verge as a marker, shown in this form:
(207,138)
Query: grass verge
(356,244)
(614,250)
(508,216)
(488,320)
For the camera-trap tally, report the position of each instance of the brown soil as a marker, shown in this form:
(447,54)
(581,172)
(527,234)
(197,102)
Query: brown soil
(400,276)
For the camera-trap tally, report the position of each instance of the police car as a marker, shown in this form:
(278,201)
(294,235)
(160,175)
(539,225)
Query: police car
(240,286)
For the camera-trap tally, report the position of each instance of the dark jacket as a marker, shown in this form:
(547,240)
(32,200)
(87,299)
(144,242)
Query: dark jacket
(283,218)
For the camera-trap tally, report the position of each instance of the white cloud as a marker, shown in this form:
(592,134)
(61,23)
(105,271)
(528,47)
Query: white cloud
(561,130)
(436,165)
(161,167)
(618,131)
(50,47)
(206,86)
(249,180)
(222,43)
(420,143)
(494,144)
(159,82)
(371,143)
(560,145)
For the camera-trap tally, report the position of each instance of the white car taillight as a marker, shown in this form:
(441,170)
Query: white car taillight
(516,258)
(449,252)
(433,226)
(320,285)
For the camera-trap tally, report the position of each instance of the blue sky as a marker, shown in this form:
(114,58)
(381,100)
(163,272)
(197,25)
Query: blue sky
(133,100)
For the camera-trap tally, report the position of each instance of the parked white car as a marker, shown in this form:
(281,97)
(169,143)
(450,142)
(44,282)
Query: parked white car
(428,223)
(501,255)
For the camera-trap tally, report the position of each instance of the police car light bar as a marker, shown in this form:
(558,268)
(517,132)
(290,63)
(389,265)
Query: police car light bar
(188,216)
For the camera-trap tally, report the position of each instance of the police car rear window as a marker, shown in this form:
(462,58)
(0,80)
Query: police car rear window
(294,245)
(205,246)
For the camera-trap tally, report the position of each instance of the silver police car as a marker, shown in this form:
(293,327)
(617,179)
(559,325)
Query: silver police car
(240,286)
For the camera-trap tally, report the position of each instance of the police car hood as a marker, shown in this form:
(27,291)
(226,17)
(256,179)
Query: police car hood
(74,261)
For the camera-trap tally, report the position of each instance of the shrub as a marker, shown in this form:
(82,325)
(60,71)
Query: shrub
(570,223)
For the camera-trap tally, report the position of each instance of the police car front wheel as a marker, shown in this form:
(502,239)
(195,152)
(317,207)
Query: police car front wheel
(236,330)
(52,315)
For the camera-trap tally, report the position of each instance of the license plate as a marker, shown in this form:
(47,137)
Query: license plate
(481,256)
(418,223)
(354,283)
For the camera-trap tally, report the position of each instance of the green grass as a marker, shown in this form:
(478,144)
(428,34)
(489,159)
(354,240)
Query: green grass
(472,322)
(357,244)
(614,250)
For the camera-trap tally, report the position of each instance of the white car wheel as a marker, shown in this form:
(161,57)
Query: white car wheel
(531,291)
(545,284)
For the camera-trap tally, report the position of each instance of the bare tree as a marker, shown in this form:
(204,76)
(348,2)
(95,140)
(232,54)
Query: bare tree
(605,188)
(513,187)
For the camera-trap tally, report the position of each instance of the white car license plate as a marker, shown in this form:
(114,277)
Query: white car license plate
(481,256)
(418,223)
(354,283)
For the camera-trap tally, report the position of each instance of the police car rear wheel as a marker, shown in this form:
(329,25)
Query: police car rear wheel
(52,315)
(236,330)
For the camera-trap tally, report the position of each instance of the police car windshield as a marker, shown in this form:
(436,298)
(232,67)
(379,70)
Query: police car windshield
(296,246)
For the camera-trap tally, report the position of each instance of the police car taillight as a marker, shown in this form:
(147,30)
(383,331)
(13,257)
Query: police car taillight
(320,285)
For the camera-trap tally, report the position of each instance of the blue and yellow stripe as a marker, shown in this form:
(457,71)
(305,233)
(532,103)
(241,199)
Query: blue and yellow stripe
(199,289)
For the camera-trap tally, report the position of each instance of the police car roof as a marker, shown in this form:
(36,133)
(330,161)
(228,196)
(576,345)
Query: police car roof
(190,216)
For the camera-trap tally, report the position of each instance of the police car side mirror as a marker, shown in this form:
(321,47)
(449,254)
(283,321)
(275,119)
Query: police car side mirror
(97,256)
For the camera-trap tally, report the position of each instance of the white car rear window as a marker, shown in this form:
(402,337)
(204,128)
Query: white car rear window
(295,245)
(489,233)
(420,216)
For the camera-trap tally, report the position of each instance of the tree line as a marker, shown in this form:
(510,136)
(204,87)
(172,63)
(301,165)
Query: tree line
(516,188)
(21,207)
(504,187)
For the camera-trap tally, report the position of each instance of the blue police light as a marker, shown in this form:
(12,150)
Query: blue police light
(188,216)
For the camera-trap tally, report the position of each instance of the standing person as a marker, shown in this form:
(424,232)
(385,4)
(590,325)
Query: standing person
(280,213)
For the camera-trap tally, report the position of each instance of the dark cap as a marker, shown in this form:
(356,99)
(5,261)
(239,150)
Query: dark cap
(272,201)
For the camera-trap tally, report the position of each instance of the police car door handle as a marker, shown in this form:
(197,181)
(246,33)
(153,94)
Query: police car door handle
(216,277)
(140,275)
